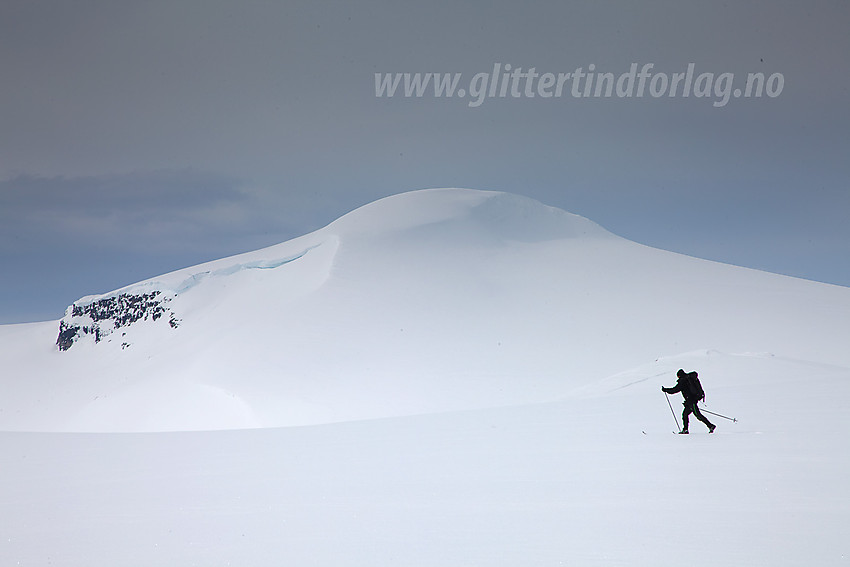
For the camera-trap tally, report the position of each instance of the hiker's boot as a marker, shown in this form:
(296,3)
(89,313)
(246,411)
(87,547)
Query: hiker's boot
(683,432)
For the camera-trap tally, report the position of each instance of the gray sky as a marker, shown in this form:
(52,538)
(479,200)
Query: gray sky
(141,137)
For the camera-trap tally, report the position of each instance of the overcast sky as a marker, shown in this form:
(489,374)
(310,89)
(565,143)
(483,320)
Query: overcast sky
(141,137)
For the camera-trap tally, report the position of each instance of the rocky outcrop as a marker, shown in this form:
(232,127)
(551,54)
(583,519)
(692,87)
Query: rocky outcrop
(101,317)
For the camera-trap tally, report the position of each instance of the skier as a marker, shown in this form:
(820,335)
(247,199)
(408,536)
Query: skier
(691,389)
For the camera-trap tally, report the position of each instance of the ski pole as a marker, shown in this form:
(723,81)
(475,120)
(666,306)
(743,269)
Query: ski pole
(671,411)
(718,415)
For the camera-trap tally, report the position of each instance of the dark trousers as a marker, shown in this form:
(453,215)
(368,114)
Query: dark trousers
(693,408)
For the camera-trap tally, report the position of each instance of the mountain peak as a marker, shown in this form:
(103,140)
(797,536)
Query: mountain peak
(506,215)
(457,217)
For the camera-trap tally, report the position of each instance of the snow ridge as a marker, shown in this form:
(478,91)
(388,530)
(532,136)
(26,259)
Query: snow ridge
(99,316)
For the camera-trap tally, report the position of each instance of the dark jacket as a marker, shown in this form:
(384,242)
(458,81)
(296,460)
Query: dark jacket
(682,386)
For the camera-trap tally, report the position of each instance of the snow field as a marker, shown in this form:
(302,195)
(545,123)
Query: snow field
(597,480)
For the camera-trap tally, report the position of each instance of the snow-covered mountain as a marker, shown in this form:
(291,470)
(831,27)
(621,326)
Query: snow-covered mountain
(428,301)
(483,376)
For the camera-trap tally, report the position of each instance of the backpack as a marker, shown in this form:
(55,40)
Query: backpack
(695,387)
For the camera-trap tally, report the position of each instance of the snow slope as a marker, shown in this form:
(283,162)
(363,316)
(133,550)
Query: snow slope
(444,377)
(428,301)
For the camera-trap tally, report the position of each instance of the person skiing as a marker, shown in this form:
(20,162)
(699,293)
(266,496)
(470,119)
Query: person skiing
(689,385)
